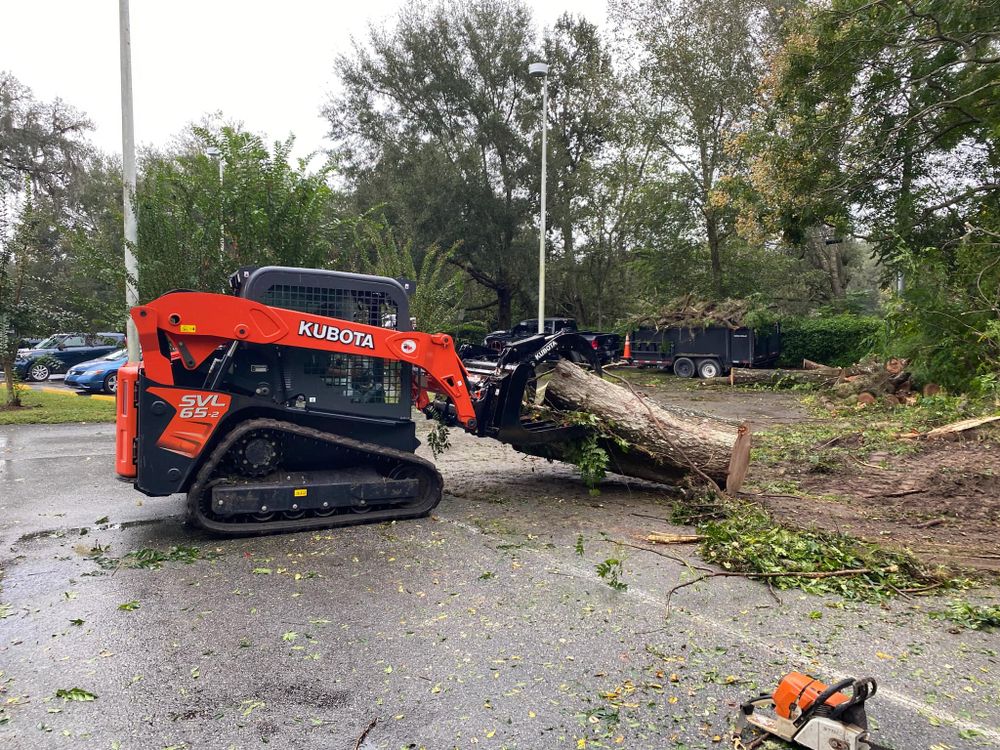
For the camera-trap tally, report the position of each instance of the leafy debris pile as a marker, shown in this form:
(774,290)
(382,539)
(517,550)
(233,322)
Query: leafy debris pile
(971,616)
(691,311)
(147,558)
(743,538)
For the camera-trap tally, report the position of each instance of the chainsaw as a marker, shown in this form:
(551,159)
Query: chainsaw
(808,713)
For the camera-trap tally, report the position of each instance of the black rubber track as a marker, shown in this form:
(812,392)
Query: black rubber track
(198,497)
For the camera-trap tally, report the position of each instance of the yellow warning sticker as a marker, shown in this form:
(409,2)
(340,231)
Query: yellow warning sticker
(301,493)
(189,328)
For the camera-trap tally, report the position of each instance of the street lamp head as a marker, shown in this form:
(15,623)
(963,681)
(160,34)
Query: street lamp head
(213,152)
(538,70)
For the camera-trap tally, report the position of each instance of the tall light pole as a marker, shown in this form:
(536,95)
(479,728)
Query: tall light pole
(128,183)
(214,153)
(541,70)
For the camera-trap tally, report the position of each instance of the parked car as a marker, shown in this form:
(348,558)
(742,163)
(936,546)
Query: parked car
(607,345)
(707,352)
(58,353)
(99,374)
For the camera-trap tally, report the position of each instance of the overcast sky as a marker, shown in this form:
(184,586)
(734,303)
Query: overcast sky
(268,64)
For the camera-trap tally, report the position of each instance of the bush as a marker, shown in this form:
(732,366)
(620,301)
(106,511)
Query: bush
(468,333)
(836,340)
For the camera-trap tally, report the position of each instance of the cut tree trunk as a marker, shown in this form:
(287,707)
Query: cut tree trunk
(664,444)
(823,377)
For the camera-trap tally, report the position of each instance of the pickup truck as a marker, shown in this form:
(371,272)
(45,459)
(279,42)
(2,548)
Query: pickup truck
(607,345)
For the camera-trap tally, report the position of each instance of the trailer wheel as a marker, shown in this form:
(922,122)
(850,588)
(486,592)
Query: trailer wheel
(709,368)
(683,368)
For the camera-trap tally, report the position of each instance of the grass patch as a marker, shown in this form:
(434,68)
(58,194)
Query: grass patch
(821,443)
(40,407)
(743,538)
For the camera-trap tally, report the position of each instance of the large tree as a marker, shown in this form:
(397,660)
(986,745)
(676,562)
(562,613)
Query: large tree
(586,120)
(701,61)
(433,123)
(881,119)
(885,106)
(42,149)
(196,228)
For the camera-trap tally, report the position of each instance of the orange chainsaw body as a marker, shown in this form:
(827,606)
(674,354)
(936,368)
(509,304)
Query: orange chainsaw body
(797,689)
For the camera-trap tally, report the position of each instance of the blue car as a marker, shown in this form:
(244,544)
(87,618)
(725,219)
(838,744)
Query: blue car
(98,375)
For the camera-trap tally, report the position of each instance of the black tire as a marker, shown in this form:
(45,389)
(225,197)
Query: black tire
(684,368)
(110,383)
(709,368)
(37,372)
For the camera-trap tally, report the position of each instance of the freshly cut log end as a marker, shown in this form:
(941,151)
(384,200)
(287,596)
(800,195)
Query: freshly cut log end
(739,461)
(664,444)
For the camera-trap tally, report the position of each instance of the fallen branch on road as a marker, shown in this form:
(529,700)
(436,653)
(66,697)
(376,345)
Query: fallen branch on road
(686,563)
(780,574)
(657,537)
(367,729)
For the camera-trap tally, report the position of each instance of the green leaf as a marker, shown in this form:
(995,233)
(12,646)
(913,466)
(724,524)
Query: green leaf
(78,622)
(129,606)
(250,705)
(75,694)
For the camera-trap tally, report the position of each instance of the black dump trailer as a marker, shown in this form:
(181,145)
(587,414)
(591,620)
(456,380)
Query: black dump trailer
(707,352)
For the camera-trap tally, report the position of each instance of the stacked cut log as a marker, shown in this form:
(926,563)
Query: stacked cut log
(664,444)
(865,383)
(889,384)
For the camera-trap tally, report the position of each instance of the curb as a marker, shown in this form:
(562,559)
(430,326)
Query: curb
(65,392)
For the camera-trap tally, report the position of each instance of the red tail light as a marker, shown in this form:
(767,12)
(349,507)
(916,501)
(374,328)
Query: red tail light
(593,343)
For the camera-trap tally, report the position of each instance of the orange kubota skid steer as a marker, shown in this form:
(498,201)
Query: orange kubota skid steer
(287,405)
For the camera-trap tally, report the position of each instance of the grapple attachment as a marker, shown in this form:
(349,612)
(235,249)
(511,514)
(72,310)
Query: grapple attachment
(504,382)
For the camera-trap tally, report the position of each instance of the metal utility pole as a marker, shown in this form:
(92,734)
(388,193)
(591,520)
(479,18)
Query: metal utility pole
(128,189)
(541,70)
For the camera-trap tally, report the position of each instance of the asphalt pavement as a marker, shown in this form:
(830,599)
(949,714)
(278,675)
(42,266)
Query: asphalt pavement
(484,626)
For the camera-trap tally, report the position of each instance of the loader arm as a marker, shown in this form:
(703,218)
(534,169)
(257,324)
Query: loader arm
(196,324)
